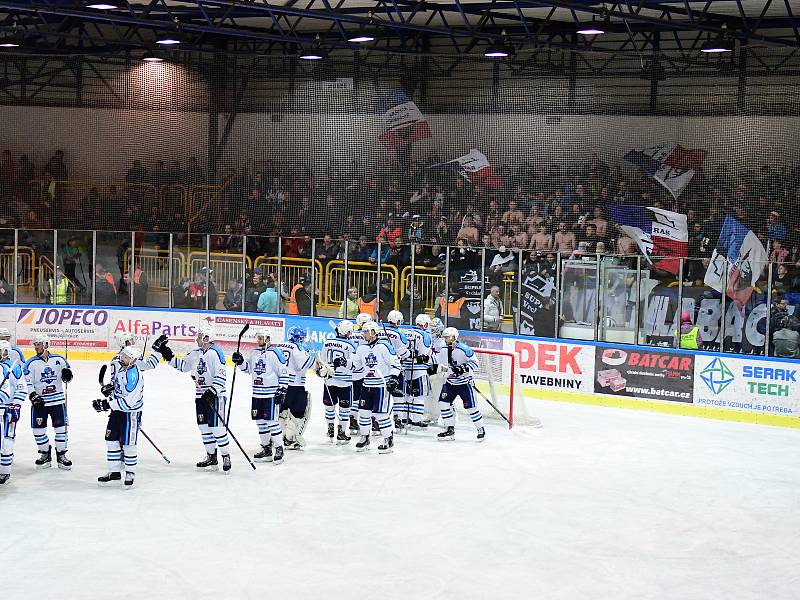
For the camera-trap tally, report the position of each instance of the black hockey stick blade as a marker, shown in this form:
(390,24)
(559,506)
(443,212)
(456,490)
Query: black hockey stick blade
(244,330)
(102,374)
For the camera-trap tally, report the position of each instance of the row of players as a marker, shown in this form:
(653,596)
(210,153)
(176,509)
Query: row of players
(371,372)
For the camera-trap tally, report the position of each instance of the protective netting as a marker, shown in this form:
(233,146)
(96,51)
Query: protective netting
(321,176)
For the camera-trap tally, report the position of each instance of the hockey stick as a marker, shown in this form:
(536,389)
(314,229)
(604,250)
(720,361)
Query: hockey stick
(66,358)
(236,368)
(228,430)
(403,391)
(474,387)
(100,378)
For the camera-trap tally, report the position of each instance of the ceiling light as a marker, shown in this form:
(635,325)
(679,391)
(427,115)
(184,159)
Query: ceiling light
(315,54)
(360,39)
(102,6)
(590,29)
(152,57)
(10,41)
(717,46)
(168,40)
(497,51)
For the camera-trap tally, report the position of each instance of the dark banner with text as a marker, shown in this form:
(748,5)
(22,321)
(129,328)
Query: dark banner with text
(625,371)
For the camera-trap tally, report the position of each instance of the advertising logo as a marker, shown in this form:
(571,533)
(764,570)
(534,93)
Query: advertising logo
(717,376)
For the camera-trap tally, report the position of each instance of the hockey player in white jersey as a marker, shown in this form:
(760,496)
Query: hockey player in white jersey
(122,431)
(334,365)
(415,369)
(13,391)
(460,364)
(399,343)
(46,374)
(296,407)
(436,371)
(376,364)
(206,363)
(358,339)
(123,340)
(16,353)
(267,366)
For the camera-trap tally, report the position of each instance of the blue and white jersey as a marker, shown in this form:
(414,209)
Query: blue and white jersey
(438,351)
(373,363)
(44,376)
(459,355)
(128,394)
(16,355)
(339,347)
(144,364)
(358,337)
(207,368)
(15,388)
(397,339)
(420,343)
(300,361)
(267,366)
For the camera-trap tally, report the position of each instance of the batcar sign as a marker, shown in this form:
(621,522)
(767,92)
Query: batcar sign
(653,375)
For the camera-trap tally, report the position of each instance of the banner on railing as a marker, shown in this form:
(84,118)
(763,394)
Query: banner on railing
(640,373)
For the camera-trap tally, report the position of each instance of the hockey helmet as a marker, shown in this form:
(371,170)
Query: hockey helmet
(129,355)
(205,334)
(262,333)
(423,321)
(123,338)
(296,335)
(41,338)
(452,333)
(344,329)
(395,318)
(371,328)
(437,327)
(5,334)
(5,349)
(363,318)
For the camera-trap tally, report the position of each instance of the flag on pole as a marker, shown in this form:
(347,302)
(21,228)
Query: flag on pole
(475,167)
(672,165)
(660,234)
(737,262)
(403,123)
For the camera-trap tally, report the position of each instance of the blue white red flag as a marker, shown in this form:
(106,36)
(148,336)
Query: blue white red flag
(475,167)
(672,165)
(662,235)
(403,123)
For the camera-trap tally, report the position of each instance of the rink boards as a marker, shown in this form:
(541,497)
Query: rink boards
(729,387)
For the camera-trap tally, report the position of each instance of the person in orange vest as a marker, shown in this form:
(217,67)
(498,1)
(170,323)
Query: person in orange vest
(450,306)
(368,304)
(300,299)
(291,303)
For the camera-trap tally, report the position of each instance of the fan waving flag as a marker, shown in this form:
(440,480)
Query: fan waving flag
(475,167)
(739,258)
(660,234)
(672,165)
(403,123)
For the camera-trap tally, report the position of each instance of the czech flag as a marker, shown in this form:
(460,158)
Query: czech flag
(475,167)
(672,165)
(660,234)
(403,123)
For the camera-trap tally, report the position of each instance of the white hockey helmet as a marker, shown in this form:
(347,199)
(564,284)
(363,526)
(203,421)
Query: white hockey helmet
(205,333)
(395,318)
(41,338)
(5,334)
(371,327)
(437,327)
(261,332)
(344,329)
(363,318)
(450,332)
(129,355)
(5,349)
(423,321)
(123,338)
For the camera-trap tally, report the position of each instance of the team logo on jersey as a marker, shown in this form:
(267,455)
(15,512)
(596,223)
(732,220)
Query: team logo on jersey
(201,367)
(371,360)
(260,367)
(39,420)
(48,375)
(255,413)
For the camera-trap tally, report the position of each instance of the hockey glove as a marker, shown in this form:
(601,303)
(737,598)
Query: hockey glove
(392,383)
(13,412)
(458,370)
(107,389)
(280,395)
(237,358)
(66,375)
(422,359)
(209,396)
(339,362)
(101,404)
(433,369)
(36,400)
(160,346)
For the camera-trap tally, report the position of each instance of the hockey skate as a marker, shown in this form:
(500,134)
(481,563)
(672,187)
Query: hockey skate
(278,455)
(4,478)
(376,430)
(128,485)
(398,423)
(109,479)
(448,435)
(45,459)
(226,463)
(481,434)
(353,426)
(265,455)
(210,463)
(387,447)
(331,432)
(362,444)
(342,437)
(62,461)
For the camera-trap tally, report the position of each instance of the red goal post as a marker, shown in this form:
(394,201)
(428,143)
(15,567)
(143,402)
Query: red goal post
(496,377)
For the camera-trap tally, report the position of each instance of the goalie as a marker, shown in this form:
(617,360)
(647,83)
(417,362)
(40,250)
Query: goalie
(296,405)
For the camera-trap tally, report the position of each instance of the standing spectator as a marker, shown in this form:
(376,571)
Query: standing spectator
(57,290)
(513,215)
(564,240)
(6,292)
(328,250)
(255,287)
(541,240)
(776,230)
(468,232)
(779,253)
(268,301)
(416,231)
(105,292)
(493,310)
(349,308)
(233,295)
(304,297)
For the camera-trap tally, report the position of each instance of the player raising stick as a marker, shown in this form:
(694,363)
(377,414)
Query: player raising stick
(267,366)
(458,384)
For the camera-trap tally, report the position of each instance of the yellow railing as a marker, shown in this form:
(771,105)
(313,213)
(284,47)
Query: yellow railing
(428,282)
(360,275)
(292,269)
(224,266)
(155,264)
(24,270)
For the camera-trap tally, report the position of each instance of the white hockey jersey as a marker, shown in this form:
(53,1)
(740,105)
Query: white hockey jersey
(44,377)
(339,347)
(373,363)
(207,368)
(15,388)
(420,344)
(397,339)
(16,355)
(438,351)
(268,368)
(128,394)
(463,356)
(300,360)
(144,364)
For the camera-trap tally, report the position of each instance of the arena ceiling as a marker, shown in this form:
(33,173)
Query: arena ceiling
(433,27)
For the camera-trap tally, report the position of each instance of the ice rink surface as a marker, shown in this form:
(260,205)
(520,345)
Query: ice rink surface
(598,504)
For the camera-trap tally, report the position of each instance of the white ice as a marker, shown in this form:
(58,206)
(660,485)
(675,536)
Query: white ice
(598,504)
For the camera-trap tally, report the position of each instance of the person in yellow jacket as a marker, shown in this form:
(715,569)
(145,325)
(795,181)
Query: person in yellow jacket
(349,308)
(689,334)
(58,289)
